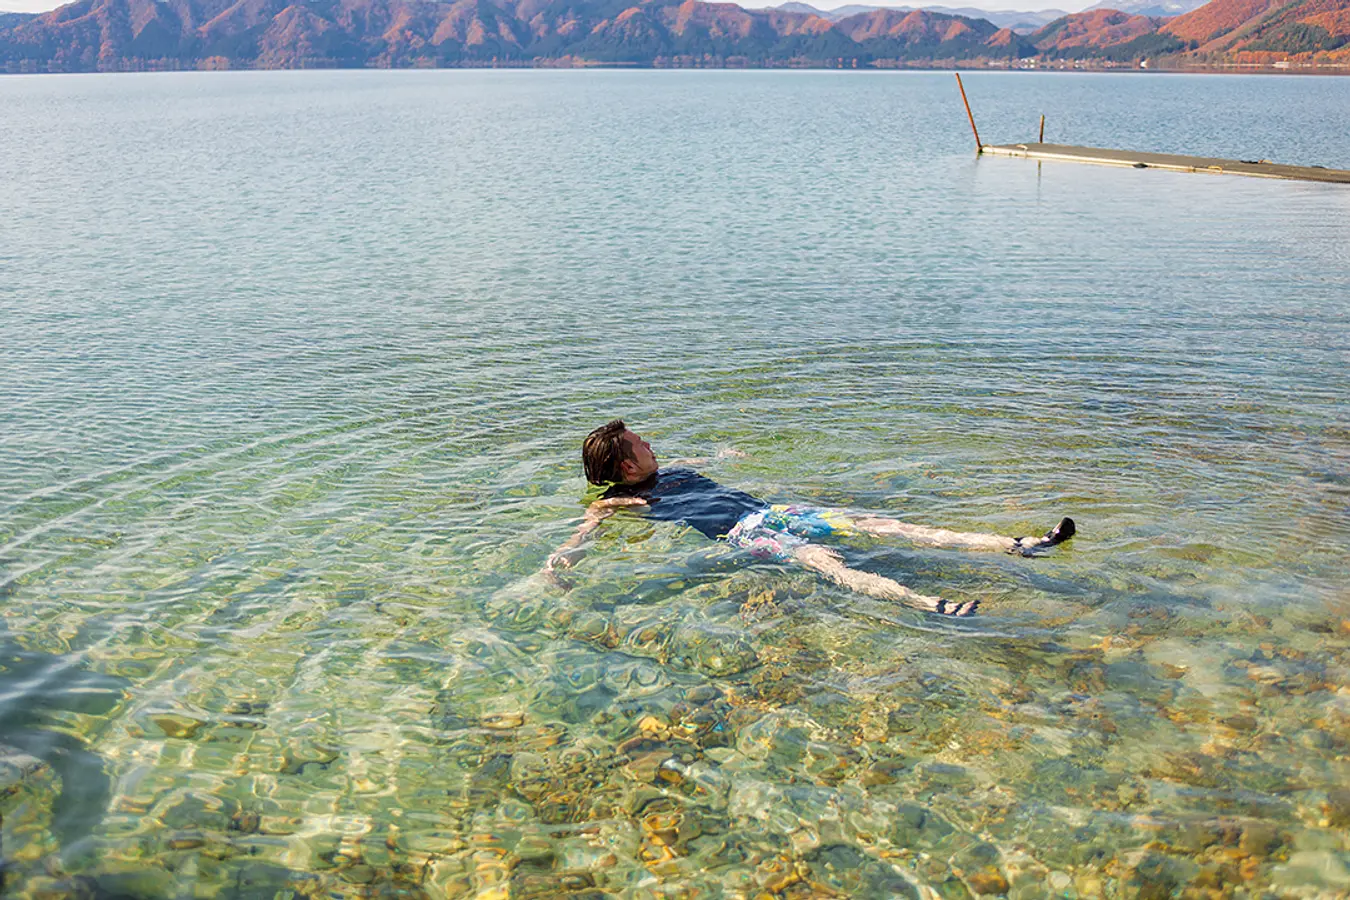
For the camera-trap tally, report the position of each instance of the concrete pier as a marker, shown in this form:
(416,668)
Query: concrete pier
(1263,168)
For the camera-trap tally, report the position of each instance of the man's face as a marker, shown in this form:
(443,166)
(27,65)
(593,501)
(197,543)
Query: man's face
(640,462)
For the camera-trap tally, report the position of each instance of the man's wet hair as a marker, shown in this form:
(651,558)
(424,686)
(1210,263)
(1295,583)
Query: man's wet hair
(603,453)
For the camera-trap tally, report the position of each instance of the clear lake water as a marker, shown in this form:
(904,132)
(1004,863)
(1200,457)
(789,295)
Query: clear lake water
(294,376)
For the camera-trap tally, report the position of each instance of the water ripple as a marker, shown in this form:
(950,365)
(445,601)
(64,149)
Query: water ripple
(287,438)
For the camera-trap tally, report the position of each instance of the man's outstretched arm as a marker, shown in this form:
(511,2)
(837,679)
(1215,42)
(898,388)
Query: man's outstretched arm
(724,453)
(570,552)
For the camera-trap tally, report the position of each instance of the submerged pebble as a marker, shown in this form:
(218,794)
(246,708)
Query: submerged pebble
(178,726)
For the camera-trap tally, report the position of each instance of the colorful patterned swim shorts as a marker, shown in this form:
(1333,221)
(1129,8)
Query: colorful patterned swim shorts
(775,533)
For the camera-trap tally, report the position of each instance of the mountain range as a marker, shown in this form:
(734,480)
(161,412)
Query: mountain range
(1155,8)
(122,35)
(1019,21)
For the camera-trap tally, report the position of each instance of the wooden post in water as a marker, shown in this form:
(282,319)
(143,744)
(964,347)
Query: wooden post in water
(979,148)
(1041,139)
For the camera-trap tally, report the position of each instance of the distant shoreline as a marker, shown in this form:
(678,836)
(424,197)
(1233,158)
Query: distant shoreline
(574,64)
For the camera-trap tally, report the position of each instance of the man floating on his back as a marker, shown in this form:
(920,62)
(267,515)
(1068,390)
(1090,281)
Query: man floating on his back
(621,459)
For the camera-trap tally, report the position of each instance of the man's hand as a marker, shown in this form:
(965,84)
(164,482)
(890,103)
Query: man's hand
(564,558)
(724,453)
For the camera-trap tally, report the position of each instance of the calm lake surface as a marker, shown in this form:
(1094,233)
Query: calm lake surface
(295,371)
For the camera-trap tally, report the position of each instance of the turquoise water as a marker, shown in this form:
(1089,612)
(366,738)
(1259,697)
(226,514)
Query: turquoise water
(295,372)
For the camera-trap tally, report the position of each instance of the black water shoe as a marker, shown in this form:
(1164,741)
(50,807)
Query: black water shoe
(1057,535)
(948,608)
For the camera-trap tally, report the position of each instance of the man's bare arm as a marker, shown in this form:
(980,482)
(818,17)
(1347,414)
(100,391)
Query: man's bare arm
(724,453)
(571,551)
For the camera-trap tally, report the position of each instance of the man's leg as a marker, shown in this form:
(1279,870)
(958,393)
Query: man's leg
(941,537)
(830,564)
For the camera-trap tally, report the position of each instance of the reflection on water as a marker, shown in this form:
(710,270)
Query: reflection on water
(53,790)
(288,442)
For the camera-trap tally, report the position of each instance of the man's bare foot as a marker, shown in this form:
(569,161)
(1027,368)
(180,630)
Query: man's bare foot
(1026,546)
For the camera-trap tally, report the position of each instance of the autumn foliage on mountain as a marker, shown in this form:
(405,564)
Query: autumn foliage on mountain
(1257,31)
(117,35)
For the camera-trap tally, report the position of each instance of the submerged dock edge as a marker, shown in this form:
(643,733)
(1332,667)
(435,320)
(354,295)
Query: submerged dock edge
(1169,162)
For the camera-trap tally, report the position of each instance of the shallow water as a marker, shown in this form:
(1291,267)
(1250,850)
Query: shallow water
(297,364)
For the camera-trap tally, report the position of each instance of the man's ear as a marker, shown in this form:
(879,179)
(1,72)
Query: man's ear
(628,468)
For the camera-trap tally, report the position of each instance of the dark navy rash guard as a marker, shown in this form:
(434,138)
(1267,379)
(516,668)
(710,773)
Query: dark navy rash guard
(685,496)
